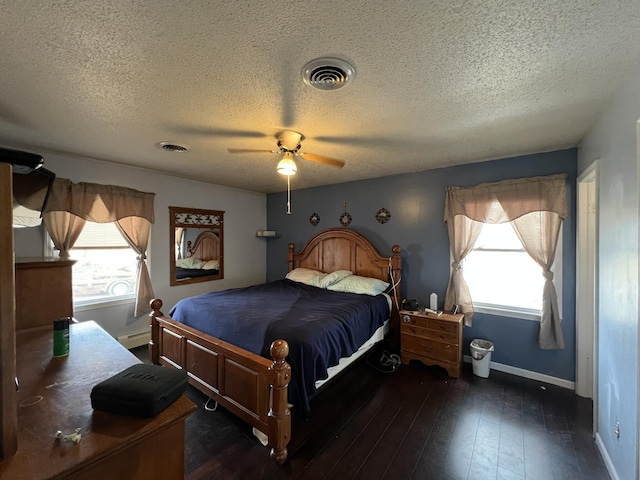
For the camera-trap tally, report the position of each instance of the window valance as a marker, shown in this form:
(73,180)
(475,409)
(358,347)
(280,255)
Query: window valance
(500,202)
(99,203)
(535,206)
(70,205)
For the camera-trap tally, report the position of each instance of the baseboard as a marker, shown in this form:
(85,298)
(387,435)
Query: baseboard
(520,372)
(134,340)
(606,458)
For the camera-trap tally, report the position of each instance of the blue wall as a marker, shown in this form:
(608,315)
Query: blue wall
(416,203)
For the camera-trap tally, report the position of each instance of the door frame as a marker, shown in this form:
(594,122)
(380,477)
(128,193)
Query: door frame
(587,287)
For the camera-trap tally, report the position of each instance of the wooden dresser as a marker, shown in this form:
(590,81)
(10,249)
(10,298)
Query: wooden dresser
(55,395)
(432,339)
(43,290)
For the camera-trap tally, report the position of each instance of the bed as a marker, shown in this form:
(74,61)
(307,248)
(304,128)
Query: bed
(251,386)
(203,257)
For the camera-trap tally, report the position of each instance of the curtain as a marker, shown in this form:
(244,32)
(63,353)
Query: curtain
(99,203)
(463,233)
(70,205)
(136,231)
(535,207)
(64,229)
(179,234)
(538,232)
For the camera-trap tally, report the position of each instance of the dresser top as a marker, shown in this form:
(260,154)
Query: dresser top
(449,317)
(31,262)
(55,395)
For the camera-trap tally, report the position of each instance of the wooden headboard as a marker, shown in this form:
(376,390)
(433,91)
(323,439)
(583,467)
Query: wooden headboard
(341,249)
(205,247)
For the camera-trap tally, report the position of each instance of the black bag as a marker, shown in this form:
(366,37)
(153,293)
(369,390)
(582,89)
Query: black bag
(140,391)
(411,304)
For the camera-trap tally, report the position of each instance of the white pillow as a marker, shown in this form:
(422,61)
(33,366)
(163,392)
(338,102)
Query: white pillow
(325,281)
(212,265)
(357,284)
(191,262)
(302,275)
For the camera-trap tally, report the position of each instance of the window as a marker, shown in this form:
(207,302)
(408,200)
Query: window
(105,267)
(502,278)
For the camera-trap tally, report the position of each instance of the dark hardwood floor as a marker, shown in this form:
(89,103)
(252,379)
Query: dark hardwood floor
(415,423)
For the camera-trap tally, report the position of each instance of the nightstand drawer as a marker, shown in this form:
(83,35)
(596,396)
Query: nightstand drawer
(416,321)
(441,336)
(424,321)
(430,348)
(443,326)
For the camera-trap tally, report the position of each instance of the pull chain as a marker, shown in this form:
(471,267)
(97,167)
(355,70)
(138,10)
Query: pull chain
(288,194)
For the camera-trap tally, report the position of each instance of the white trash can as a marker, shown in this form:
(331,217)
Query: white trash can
(481,357)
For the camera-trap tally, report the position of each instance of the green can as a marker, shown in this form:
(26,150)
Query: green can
(61,337)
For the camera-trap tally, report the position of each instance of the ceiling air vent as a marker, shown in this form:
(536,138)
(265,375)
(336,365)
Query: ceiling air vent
(328,73)
(173,147)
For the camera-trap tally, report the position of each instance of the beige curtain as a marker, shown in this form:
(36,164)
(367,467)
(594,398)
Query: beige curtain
(180,231)
(539,232)
(463,233)
(136,231)
(70,205)
(64,229)
(99,203)
(535,207)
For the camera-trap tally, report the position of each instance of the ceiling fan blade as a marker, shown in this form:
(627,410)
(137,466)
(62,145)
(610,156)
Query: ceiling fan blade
(320,159)
(214,132)
(249,150)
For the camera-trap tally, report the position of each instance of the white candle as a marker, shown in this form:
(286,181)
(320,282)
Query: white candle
(433,301)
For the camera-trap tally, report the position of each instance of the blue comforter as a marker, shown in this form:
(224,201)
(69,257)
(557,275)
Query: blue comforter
(320,326)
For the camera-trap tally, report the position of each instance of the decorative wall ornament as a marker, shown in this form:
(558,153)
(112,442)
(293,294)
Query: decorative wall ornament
(345,218)
(192,219)
(383,215)
(314,219)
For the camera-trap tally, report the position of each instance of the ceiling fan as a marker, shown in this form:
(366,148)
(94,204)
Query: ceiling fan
(289,144)
(289,147)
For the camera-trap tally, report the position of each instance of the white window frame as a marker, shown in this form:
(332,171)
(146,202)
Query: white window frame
(85,305)
(524,313)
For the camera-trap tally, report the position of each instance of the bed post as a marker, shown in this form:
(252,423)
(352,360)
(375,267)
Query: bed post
(396,267)
(279,419)
(154,354)
(395,262)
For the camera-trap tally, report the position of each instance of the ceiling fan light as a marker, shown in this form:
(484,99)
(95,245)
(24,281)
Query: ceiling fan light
(287,166)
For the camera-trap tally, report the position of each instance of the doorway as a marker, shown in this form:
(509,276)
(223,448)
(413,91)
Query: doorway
(587,288)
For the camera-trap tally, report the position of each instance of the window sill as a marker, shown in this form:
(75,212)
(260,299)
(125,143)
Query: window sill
(97,304)
(523,314)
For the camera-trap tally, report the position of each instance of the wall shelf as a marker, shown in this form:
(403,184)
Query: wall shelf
(267,234)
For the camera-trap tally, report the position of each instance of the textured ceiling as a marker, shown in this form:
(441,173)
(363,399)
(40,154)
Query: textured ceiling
(437,82)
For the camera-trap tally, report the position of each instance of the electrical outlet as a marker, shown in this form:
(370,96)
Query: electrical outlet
(616,429)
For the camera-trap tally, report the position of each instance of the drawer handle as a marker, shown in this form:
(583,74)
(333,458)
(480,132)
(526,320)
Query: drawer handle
(406,319)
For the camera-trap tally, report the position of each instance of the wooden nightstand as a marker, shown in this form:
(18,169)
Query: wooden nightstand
(432,339)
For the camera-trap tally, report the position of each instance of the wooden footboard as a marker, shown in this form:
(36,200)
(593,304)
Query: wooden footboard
(248,385)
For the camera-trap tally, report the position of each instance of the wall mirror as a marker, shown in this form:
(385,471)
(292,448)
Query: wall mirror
(197,241)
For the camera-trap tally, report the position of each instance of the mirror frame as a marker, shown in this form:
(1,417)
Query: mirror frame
(182,217)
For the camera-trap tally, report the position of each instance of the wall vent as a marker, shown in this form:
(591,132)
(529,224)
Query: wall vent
(328,73)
